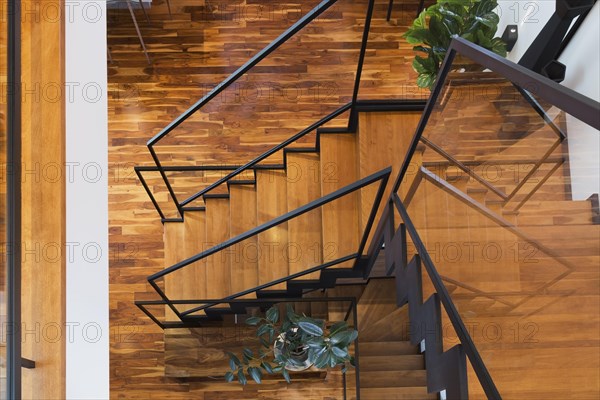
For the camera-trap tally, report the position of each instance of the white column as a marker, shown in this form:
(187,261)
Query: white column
(87,333)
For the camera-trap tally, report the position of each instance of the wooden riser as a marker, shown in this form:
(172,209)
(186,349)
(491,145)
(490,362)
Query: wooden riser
(397,393)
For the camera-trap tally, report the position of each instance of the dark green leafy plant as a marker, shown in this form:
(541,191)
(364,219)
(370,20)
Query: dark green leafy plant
(434,28)
(298,338)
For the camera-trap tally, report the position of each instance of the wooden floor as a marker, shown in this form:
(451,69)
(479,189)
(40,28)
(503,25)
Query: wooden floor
(190,54)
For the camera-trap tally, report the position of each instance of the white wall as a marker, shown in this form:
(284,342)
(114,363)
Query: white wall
(530,16)
(87,201)
(582,58)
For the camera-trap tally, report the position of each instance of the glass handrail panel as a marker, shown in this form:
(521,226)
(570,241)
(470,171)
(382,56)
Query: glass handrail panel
(503,190)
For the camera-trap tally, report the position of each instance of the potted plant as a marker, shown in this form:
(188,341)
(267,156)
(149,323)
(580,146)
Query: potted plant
(292,342)
(432,31)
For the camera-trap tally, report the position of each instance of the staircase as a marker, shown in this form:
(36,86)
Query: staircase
(301,175)
(390,366)
(298,223)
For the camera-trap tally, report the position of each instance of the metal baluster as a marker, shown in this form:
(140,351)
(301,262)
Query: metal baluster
(137,28)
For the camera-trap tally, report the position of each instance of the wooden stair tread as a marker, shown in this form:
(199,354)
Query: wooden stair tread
(383,140)
(387,348)
(375,302)
(305,240)
(339,168)
(217,265)
(271,202)
(392,362)
(194,237)
(393,327)
(397,393)
(384,379)
(173,237)
(244,261)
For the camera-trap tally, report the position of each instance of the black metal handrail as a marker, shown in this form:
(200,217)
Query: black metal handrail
(241,71)
(381,177)
(269,152)
(487,383)
(255,164)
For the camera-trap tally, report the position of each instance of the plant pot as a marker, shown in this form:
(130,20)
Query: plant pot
(299,355)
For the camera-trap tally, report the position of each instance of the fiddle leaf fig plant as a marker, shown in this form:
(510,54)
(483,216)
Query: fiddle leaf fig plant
(291,342)
(432,31)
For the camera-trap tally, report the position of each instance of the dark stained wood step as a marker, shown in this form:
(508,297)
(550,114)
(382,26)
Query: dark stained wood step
(397,393)
(387,379)
(392,363)
(387,348)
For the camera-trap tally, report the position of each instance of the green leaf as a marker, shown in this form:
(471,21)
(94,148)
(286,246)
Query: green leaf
(266,344)
(253,321)
(248,353)
(424,65)
(344,338)
(313,354)
(255,373)
(439,31)
(233,357)
(338,352)
(485,7)
(419,35)
(322,360)
(462,3)
(229,377)
(426,81)
(286,375)
(490,20)
(338,326)
(483,40)
(290,314)
(263,329)
(499,47)
(267,367)
(421,20)
(332,360)
(273,314)
(315,342)
(242,377)
(310,327)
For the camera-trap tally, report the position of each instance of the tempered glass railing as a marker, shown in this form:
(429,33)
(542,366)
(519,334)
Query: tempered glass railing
(503,189)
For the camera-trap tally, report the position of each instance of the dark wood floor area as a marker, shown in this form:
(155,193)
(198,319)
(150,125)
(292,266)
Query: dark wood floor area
(190,53)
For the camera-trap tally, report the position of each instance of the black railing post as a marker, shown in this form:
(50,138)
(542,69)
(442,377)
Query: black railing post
(13,201)
(353,119)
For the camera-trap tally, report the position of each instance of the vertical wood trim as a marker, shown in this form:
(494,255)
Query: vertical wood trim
(43,200)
